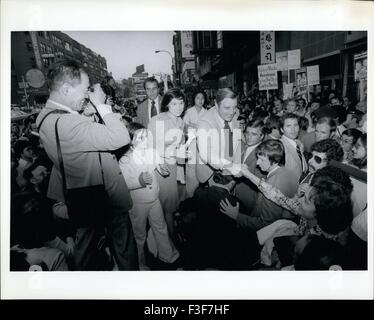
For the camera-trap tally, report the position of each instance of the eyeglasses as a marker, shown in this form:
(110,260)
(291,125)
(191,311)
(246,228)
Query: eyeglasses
(318,159)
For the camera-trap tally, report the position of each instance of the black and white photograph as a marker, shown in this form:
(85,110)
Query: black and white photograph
(144,155)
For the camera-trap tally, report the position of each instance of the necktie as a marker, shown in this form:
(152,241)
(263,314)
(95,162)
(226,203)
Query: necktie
(153,109)
(228,141)
(300,156)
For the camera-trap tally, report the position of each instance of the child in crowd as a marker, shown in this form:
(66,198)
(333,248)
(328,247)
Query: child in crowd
(138,167)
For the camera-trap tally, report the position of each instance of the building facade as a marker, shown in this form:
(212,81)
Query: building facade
(230,58)
(32,50)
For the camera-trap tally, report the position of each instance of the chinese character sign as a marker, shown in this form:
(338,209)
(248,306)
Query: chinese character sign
(267,77)
(267,44)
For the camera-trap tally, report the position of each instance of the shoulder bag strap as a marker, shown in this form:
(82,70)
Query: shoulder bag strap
(60,160)
(50,112)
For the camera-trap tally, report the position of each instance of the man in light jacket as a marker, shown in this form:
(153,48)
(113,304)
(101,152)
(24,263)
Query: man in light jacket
(82,141)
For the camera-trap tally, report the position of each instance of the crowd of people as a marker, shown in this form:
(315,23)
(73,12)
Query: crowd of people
(240,182)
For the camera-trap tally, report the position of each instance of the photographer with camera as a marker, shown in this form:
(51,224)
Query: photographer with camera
(85,175)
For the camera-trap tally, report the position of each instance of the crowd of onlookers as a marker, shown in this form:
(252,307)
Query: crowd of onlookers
(297,202)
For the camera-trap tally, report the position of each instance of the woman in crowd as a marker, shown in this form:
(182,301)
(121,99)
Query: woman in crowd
(348,140)
(167,129)
(360,153)
(190,119)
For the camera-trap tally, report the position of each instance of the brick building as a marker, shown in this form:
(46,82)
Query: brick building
(38,50)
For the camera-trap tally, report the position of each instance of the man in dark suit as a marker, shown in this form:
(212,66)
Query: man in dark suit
(293,148)
(245,190)
(151,106)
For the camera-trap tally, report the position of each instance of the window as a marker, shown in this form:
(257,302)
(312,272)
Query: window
(46,62)
(46,35)
(68,46)
(40,33)
(49,49)
(43,48)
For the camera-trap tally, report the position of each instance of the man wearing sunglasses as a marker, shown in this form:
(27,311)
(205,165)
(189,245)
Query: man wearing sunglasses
(322,153)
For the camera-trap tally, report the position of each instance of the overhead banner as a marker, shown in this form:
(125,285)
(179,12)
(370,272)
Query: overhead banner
(294,57)
(267,77)
(313,75)
(282,60)
(267,45)
(361,62)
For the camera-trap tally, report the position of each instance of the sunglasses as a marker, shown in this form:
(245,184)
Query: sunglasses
(318,159)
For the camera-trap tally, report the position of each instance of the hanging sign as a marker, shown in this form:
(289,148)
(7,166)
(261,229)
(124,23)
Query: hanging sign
(267,45)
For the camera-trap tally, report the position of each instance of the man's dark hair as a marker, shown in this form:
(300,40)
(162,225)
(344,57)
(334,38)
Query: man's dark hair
(355,133)
(271,123)
(255,123)
(151,79)
(329,121)
(331,148)
(222,179)
(288,115)
(64,71)
(225,93)
(332,199)
(272,149)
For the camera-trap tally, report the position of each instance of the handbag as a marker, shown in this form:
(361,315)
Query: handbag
(87,206)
